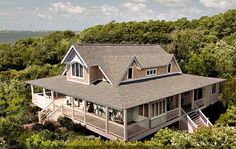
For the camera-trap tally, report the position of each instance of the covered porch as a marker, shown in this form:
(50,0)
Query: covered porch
(106,121)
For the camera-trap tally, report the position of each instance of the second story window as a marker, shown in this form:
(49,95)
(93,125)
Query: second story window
(77,70)
(151,72)
(130,73)
(169,68)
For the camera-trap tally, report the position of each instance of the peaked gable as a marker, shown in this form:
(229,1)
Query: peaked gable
(73,56)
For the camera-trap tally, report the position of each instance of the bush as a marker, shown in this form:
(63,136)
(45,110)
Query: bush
(50,125)
(228,118)
(37,127)
(68,124)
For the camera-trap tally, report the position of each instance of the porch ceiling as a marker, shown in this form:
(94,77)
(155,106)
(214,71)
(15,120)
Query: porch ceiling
(126,95)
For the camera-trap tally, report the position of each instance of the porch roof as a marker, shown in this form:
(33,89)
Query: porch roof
(126,95)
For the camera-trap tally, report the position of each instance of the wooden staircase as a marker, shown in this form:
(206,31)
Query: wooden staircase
(49,114)
(195,119)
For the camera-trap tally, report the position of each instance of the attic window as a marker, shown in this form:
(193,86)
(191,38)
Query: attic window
(77,70)
(151,72)
(169,68)
(130,73)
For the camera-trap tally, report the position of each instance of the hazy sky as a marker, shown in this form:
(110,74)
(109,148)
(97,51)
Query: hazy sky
(79,14)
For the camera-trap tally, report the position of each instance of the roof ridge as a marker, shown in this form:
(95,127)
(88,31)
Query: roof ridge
(114,44)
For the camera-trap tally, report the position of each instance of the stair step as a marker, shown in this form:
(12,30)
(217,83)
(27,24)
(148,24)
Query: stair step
(195,117)
(192,113)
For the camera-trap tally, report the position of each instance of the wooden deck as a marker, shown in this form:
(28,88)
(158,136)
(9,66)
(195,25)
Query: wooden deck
(93,120)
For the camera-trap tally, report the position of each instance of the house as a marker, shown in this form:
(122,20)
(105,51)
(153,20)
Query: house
(125,92)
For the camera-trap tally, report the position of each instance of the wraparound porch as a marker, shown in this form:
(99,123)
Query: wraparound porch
(126,124)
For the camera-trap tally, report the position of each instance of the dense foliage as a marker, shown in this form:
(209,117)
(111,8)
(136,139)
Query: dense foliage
(204,47)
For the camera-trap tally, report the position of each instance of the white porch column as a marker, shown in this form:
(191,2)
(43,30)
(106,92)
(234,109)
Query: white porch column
(72,104)
(125,125)
(85,106)
(179,100)
(52,96)
(192,100)
(107,118)
(44,92)
(32,89)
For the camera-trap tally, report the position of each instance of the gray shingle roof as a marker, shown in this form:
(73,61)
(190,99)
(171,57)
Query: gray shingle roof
(126,95)
(114,58)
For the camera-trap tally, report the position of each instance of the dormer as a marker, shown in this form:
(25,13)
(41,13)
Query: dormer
(76,69)
(135,72)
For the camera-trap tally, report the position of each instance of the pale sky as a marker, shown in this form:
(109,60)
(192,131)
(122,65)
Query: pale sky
(79,14)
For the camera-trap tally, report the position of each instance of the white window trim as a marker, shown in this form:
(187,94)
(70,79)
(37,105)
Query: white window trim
(132,73)
(150,71)
(79,72)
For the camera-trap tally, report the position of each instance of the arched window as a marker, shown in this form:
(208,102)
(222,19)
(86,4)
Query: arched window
(77,70)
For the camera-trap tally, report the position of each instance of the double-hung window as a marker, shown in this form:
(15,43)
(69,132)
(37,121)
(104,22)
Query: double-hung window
(77,70)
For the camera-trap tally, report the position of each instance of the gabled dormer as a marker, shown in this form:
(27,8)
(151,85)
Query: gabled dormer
(76,69)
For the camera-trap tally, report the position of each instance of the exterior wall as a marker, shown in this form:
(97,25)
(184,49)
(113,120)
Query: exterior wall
(209,97)
(84,80)
(162,70)
(95,74)
(174,67)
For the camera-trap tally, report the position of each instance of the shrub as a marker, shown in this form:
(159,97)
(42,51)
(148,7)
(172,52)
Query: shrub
(50,125)
(228,118)
(68,124)
(37,127)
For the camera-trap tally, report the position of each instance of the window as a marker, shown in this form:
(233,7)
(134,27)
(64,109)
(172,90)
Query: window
(169,68)
(77,70)
(140,109)
(130,73)
(151,72)
(143,110)
(213,89)
(198,94)
(158,108)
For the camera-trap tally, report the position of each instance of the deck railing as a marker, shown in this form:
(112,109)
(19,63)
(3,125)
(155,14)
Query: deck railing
(94,121)
(142,124)
(199,102)
(40,100)
(172,114)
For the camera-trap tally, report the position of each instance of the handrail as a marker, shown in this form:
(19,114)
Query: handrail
(51,113)
(40,112)
(195,126)
(203,116)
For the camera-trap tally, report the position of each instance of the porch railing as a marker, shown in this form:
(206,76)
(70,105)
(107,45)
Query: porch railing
(199,102)
(172,114)
(142,124)
(40,100)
